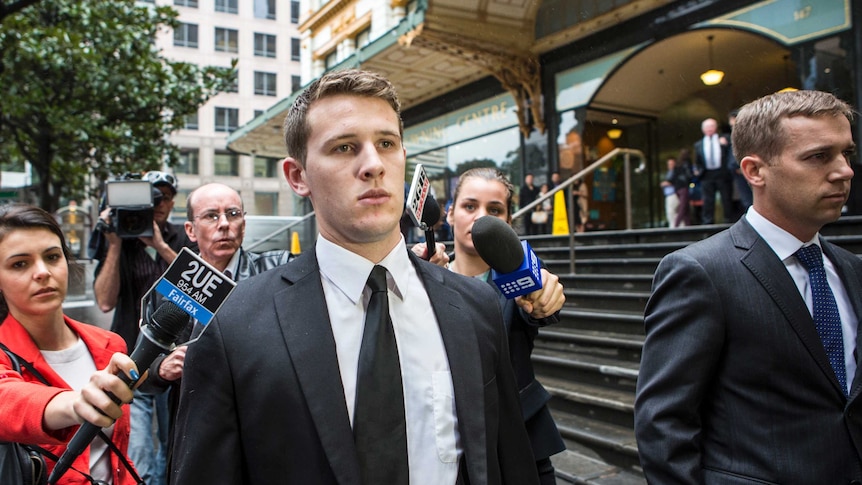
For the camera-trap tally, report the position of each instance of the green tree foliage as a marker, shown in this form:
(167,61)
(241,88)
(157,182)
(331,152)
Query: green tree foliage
(86,93)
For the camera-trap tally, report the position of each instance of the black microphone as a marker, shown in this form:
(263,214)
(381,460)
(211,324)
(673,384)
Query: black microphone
(430,217)
(156,338)
(517,266)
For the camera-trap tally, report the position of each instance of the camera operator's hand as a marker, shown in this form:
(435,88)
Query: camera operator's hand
(158,243)
(110,235)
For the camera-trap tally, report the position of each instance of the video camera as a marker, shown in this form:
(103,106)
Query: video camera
(131,201)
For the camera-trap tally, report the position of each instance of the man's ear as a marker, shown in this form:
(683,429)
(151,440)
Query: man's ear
(190,231)
(294,173)
(753,168)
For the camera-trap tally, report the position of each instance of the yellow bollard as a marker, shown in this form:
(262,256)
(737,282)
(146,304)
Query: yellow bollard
(294,243)
(561,217)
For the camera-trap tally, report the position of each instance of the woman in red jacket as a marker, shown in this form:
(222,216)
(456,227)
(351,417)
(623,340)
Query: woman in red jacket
(34,269)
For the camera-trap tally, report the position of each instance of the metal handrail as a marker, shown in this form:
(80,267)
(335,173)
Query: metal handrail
(627,153)
(278,231)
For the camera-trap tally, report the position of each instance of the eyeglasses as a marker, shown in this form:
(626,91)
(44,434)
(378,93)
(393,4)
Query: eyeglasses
(156,177)
(211,218)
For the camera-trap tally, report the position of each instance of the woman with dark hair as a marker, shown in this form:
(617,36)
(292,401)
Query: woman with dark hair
(34,270)
(487,191)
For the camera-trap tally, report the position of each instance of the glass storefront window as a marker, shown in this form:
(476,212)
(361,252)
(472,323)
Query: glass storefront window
(501,149)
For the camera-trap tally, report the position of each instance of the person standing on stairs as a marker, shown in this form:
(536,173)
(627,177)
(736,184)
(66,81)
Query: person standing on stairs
(487,191)
(749,367)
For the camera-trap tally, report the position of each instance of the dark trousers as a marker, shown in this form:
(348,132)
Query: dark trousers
(713,181)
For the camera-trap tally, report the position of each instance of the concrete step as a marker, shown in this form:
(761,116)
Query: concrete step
(612,406)
(603,266)
(619,322)
(614,445)
(607,282)
(607,371)
(618,301)
(576,468)
(626,347)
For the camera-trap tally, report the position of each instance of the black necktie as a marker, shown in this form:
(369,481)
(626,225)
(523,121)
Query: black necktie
(825,313)
(379,425)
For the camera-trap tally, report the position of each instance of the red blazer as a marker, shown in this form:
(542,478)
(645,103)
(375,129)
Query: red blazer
(24,398)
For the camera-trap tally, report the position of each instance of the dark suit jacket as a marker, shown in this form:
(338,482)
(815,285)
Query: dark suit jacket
(262,400)
(700,159)
(522,330)
(735,386)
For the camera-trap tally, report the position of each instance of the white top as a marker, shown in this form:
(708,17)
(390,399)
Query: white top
(785,246)
(433,443)
(75,365)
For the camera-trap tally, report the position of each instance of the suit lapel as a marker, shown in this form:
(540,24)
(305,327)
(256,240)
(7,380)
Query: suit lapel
(465,363)
(773,276)
(311,346)
(850,278)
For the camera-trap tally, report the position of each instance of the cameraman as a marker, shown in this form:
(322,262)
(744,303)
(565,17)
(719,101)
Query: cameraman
(127,268)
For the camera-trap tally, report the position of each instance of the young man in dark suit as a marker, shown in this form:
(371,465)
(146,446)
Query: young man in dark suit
(275,390)
(749,367)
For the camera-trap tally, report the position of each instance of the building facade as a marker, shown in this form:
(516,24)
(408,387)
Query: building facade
(263,36)
(555,85)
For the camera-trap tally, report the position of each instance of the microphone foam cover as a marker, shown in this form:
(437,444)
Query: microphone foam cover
(430,211)
(497,244)
(168,322)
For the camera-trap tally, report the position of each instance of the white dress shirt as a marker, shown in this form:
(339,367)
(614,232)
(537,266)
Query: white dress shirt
(712,152)
(785,246)
(433,443)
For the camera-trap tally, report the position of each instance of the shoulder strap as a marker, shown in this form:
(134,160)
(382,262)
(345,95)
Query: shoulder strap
(17,362)
(121,456)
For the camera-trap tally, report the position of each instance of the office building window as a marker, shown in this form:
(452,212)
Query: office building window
(295,83)
(363,38)
(294,49)
(188,161)
(331,59)
(186,35)
(264,83)
(226,119)
(186,3)
(264,45)
(258,112)
(264,9)
(191,121)
(267,167)
(226,40)
(227,6)
(226,163)
(294,11)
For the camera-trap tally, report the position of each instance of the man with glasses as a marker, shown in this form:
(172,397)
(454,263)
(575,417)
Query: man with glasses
(216,222)
(127,269)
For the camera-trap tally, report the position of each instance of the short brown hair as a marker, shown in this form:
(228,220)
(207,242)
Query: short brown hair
(350,81)
(758,130)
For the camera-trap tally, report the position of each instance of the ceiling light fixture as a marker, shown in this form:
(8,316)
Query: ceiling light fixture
(712,76)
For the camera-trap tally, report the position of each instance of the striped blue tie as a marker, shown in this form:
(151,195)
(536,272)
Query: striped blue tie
(826,317)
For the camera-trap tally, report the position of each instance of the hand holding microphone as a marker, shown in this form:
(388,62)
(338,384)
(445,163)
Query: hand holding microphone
(430,218)
(517,267)
(156,338)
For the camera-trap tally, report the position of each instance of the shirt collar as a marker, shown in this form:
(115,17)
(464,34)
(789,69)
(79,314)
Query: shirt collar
(349,272)
(233,264)
(782,242)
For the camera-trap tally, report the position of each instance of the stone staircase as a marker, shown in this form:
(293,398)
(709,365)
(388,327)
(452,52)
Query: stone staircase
(589,361)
